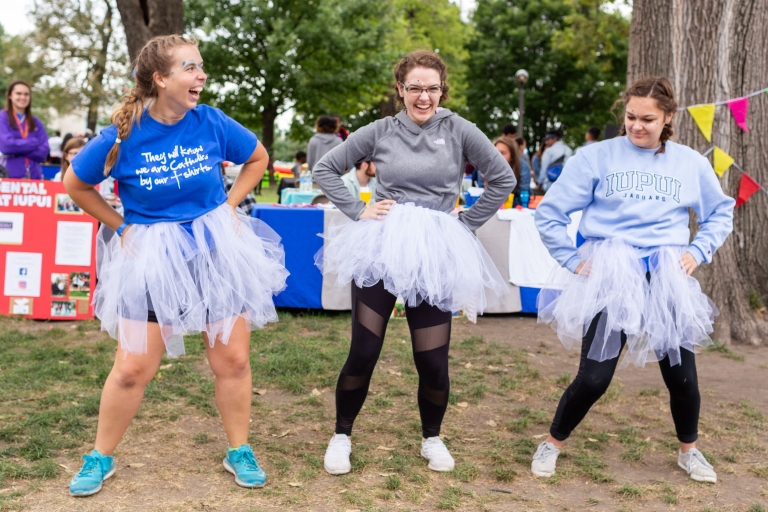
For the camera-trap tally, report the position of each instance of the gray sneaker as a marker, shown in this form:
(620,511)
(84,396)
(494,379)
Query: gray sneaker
(694,463)
(544,460)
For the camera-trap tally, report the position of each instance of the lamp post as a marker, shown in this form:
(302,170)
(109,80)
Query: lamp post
(521,76)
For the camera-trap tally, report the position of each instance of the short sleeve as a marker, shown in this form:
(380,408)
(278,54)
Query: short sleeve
(241,142)
(88,165)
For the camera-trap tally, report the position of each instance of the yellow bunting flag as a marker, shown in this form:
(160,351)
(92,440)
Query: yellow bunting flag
(704,115)
(722,161)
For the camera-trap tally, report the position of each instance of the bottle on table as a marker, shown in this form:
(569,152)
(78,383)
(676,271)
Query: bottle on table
(524,198)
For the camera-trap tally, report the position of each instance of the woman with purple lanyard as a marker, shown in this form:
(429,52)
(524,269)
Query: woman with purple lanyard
(184,259)
(23,140)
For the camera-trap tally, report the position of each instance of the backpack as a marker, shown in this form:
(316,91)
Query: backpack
(555,168)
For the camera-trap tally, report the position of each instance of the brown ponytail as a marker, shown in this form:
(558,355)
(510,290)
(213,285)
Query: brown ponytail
(658,88)
(155,57)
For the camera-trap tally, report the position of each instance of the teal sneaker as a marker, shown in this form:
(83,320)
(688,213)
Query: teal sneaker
(95,470)
(243,464)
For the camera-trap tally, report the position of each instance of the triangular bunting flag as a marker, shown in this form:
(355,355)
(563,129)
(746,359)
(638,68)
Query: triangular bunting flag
(747,187)
(722,161)
(739,108)
(704,115)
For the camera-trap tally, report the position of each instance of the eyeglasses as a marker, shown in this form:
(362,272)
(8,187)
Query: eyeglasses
(412,90)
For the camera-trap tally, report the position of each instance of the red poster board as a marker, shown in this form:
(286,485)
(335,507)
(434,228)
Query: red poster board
(47,252)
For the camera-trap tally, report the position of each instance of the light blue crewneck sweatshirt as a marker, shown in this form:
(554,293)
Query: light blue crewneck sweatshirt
(629,193)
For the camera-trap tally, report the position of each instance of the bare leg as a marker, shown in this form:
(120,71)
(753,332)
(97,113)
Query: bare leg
(232,367)
(124,389)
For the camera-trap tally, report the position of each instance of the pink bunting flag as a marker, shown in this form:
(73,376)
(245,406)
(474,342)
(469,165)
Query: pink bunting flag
(739,108)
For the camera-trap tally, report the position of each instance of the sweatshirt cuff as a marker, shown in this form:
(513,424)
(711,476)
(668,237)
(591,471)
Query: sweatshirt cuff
(360,210)
(572,263)
(697,254)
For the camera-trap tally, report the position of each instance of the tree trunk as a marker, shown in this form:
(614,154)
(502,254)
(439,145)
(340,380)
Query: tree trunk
(145,19)
(99,69)
(268,117)
(714,50)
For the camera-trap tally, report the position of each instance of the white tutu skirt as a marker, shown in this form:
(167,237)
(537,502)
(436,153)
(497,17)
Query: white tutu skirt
(659,317)
(419,254)
(230,267)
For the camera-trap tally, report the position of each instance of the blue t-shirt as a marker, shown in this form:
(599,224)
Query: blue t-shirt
(169,173)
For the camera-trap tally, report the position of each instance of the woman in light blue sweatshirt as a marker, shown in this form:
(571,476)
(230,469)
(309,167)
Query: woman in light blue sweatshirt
(632,281)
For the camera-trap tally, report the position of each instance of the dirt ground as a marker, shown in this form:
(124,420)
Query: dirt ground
(623,457)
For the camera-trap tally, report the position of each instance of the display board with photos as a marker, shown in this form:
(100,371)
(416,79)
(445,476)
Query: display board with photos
(48,252)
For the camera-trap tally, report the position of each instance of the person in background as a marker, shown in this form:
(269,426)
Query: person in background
(552,161)
(71,149)
(323,141)
(55,144)
(247,202)
(364,176)
(523,145)
(511,153)
(509,130)
(301,159)
(343,133)
(66,138)
(592,136)
(23,140)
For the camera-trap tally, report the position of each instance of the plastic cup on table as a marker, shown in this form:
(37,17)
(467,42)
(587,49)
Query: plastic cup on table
(365,196)
(508,203)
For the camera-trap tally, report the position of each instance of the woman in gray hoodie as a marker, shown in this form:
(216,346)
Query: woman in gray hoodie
(323,141)
(407,244)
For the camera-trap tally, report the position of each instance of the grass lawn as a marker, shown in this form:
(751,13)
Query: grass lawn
(507,374)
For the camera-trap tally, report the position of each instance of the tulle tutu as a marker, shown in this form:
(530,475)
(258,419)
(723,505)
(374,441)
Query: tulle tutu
(420,254)
(230,266)
(659,318)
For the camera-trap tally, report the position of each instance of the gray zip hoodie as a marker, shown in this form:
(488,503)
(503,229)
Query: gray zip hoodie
(319,145)
(419,164)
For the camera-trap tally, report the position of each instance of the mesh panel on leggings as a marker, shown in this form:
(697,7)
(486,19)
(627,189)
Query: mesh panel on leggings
(370,319)
(430,338)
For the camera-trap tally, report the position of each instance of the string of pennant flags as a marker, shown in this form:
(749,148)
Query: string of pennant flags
(722,161)
(704,116)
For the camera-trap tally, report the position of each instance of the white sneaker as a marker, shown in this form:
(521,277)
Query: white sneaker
(694,463)
(337,455)
(437,454)
(544,460)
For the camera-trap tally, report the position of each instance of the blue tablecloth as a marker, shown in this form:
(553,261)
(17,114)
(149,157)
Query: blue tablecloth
(298,228)
(295,196)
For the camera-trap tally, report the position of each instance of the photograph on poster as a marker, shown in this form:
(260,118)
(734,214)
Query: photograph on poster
(79,285)
(59,285)
(11,228)
(64,308)
(23,273)
(65,205)
(21,306)
(74,241)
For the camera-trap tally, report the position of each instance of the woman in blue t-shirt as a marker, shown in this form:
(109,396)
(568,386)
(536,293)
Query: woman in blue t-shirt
(183,259)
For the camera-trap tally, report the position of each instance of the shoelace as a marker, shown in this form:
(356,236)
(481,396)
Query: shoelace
(699,457)
(89,467)
(543,452)
(248,460)
(432,447)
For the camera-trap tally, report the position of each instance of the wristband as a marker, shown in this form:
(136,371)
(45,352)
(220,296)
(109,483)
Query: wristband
(121,228)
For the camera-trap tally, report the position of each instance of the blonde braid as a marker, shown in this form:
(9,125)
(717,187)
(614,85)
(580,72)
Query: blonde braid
(123,118)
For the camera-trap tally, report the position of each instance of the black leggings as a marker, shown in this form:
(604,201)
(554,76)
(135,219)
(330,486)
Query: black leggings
(593,380)
(430,336)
